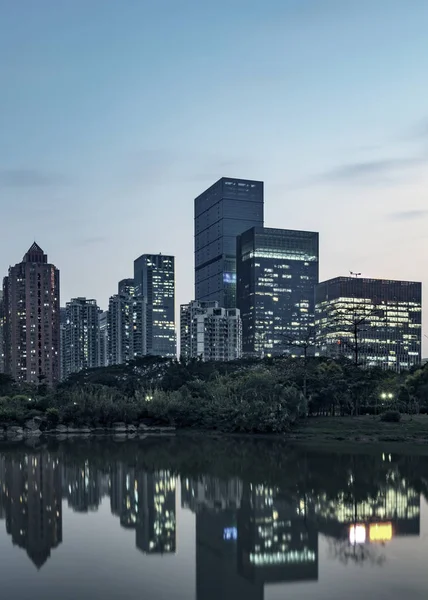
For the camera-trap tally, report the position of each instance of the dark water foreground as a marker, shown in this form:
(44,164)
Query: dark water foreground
(211,520)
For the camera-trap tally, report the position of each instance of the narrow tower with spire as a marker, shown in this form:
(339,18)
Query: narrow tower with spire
(32,319)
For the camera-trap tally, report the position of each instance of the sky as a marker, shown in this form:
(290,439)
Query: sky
(116,114)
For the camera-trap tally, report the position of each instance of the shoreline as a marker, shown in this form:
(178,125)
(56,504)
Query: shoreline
(297,437)
(309,431)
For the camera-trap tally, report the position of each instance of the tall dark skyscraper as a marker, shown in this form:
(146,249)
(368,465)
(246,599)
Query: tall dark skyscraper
(277,271)
(154,281)
(222,212)
(32,319)
(373,321)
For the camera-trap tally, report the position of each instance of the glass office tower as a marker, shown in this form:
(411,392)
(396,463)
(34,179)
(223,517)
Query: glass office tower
(374,322)
(277,271)
(222,212)
(154,285)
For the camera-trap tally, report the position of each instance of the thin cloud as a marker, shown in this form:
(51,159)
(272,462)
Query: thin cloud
(418,132)
(28,178)
(369,172)
(408,215)
(90,241)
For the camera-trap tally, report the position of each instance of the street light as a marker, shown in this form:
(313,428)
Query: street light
(384,396)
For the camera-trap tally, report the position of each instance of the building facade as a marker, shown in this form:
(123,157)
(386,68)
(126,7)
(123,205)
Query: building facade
(210,332)
(121,324)
(2,324)
(63,341)
(222,212)
(32,319)
(103,348)
(373,322)
(277,271)
(81,335)
(154,280)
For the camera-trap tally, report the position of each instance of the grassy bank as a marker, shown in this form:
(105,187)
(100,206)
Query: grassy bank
(362,429)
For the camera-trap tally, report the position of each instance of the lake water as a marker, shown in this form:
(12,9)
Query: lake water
(211,520)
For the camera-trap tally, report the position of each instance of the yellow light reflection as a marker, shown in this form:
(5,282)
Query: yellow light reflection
(380,532)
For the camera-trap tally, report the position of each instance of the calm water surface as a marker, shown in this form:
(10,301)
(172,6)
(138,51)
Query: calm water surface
(211,520)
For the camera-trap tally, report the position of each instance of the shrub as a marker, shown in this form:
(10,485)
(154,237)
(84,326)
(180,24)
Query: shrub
(391,416)
(253,402)
(52,415)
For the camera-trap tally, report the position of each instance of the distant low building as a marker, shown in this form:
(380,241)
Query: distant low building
(374,322)
(210,332)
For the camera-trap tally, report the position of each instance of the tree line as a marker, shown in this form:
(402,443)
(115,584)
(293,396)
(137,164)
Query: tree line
(268,395)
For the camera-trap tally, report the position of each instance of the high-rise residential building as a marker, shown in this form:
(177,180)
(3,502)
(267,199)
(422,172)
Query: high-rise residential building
(126,287)
(277,271)
(32,319)
(154,280)
(63,342)
(210,332)
(103,348)
(188,313)
(374,322)
(121,324)
(81,335)
(2,319)
(222,212)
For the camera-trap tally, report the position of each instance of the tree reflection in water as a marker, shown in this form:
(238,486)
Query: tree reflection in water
(358,554)
(260,505)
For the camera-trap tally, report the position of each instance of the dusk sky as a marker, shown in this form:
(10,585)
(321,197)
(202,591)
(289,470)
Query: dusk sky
(115,114)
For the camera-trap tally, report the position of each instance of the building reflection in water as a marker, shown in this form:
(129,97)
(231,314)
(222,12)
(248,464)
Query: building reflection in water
(276,540)
(156,530)
(124,494)
(31,503)
(248,534)
(83,486)
(216,504)
(393,511)
(145,502)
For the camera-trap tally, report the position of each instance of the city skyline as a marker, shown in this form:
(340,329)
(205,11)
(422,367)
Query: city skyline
(147,306)
(326,131)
